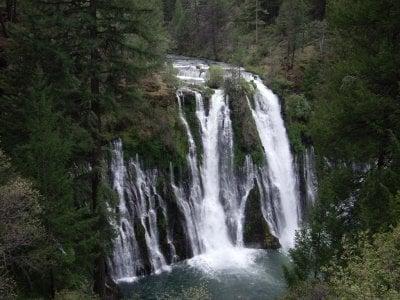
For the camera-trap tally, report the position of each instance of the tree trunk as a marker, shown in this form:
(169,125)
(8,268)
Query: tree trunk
(256,22)
(11,7)
(100,277)
(99,273)
(95,90)
(214,34)
(3,26)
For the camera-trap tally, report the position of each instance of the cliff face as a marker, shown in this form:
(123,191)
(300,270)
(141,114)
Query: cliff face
(182,147)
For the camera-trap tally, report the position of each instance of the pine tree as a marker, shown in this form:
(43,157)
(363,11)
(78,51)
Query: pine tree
(73,71)
(291,22)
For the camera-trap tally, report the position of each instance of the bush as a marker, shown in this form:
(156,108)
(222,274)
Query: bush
(297,107)
(215,77)
(372,269)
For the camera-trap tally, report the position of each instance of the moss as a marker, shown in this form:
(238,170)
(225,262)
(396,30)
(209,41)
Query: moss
(155,131)
(244,128)
(189,108)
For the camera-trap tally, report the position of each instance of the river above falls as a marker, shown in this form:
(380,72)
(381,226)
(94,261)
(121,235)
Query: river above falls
(210,277)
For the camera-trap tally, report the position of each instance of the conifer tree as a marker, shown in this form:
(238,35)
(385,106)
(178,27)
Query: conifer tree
(88,58)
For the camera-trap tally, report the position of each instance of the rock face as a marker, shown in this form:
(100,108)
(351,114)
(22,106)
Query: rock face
(256,232)
(196,176)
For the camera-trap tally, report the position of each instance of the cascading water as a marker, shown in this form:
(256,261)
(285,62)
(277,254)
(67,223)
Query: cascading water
(213,228)
(213,199)
(126,259)
(272,132)
(245,187)
(146,195)
(309,175)
(138,199)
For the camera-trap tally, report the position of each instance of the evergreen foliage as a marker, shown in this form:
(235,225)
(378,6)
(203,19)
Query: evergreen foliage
(72,73)
(355,128)
(76,74)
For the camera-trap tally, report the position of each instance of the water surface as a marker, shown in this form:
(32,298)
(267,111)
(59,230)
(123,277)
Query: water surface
(216,276)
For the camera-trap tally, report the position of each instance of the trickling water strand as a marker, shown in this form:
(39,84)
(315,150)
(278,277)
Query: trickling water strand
(309,175)
(169,237)
(192,208)
(228,183)
(191,230)
(272,132)
(245,189)
(146,196)
(270,208)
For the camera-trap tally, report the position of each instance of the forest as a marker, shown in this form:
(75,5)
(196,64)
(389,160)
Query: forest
(75,75)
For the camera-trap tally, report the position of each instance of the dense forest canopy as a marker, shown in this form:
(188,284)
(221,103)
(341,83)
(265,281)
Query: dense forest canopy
(74,76)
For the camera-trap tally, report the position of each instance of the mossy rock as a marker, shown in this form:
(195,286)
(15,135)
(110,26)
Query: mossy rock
(189,109)
(244,128)
(256,230)
(154,130)
(176,223)
(141,241)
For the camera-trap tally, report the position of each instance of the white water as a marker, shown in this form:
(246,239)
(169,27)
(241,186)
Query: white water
(136,188)
(213,211)
(191,206)
(146,196)
(126,259)
(272,132)
(309,175)
(213,229)
(246,188)
(212,201)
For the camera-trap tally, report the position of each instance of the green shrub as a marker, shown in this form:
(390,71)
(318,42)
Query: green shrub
(215,77)
(298,107)
(372,269)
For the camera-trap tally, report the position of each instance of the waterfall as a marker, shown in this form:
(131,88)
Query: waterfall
(146,196)
(126,259)
(213,230)
(211,194)
(245,187)
(272,132)
(309,175)
(138,201)
(191,208)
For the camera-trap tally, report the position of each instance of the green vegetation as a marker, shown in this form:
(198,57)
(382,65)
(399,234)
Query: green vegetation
(215,77)
(154,130)
(189,109)
(355,127)
(335,66)
(70,77)
(75,75)
(247,141)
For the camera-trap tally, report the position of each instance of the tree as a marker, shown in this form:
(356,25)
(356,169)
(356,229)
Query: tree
(291,23)
(181,27)
(372,268)
(21,231)
(73,73)
(355,127)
